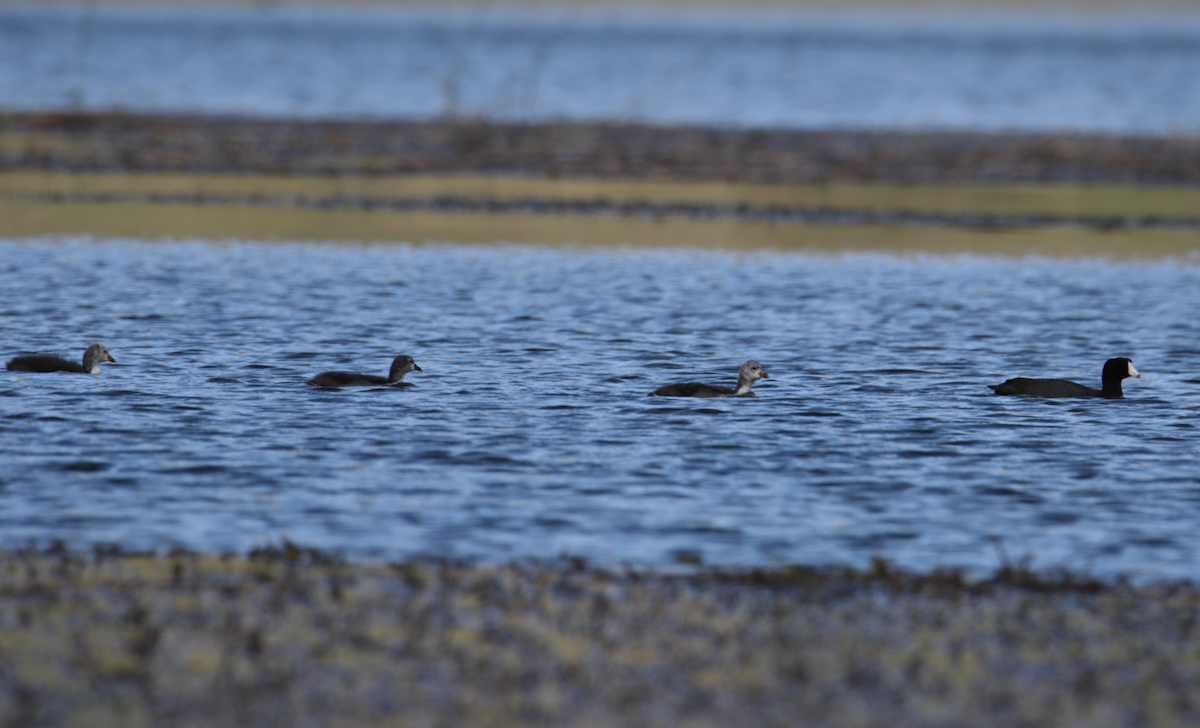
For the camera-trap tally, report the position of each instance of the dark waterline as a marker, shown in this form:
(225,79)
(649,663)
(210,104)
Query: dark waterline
(529,433)
(1026,75)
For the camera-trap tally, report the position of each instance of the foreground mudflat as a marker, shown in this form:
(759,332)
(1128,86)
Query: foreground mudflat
(288,637)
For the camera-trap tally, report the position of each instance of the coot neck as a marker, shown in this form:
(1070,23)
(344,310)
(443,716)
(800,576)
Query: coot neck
(91,361)
(1111,380)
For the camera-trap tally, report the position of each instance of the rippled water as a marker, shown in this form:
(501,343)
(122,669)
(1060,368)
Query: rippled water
(529,432)
(790,71)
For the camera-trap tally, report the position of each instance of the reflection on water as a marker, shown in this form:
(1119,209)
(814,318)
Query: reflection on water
(528,432)
(790,72)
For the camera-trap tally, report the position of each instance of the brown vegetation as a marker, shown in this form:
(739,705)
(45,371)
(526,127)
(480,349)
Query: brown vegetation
(112,142)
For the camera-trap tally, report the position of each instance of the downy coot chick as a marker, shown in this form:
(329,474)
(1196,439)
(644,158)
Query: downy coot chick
(750,372)
(401,365)
(1114,371)
(95,354)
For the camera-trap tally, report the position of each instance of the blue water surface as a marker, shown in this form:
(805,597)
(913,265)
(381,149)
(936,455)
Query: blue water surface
(529,432)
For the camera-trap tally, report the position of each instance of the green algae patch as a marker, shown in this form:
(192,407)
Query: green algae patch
(473,208)
(141,220)
(290,637)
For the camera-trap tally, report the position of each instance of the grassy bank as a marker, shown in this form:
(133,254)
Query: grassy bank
(289,637)
(997,199)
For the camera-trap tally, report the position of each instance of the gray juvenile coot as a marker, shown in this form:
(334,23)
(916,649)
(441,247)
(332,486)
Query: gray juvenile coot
(750,372)
(401,365)
(95,354)
(1114,371)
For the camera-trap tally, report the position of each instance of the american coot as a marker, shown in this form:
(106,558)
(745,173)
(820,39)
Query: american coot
(401,365)
(95,354)
(750,372)
(1114,371)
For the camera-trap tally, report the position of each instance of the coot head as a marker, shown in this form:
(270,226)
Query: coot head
(95,354)
(401,365)
(1118,369)
(750,372)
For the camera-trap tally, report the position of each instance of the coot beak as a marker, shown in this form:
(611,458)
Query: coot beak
(765,375)
(114,361)
(417,367)
(1133,372)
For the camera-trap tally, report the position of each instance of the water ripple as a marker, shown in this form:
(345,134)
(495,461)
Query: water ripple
(529,432)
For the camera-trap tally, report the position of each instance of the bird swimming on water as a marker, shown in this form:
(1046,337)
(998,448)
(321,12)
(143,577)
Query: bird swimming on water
(750,372)
(95,354)
(401,365)
(1115,370)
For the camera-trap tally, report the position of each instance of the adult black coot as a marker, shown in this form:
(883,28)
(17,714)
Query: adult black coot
(95,354)
(401,365)
(750,373)
(1115,370)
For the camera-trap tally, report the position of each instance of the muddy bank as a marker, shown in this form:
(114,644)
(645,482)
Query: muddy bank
(121,142)
(289,637)
(771,215)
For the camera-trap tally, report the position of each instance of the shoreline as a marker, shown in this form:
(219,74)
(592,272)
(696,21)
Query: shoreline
(225,177)
(290,636)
